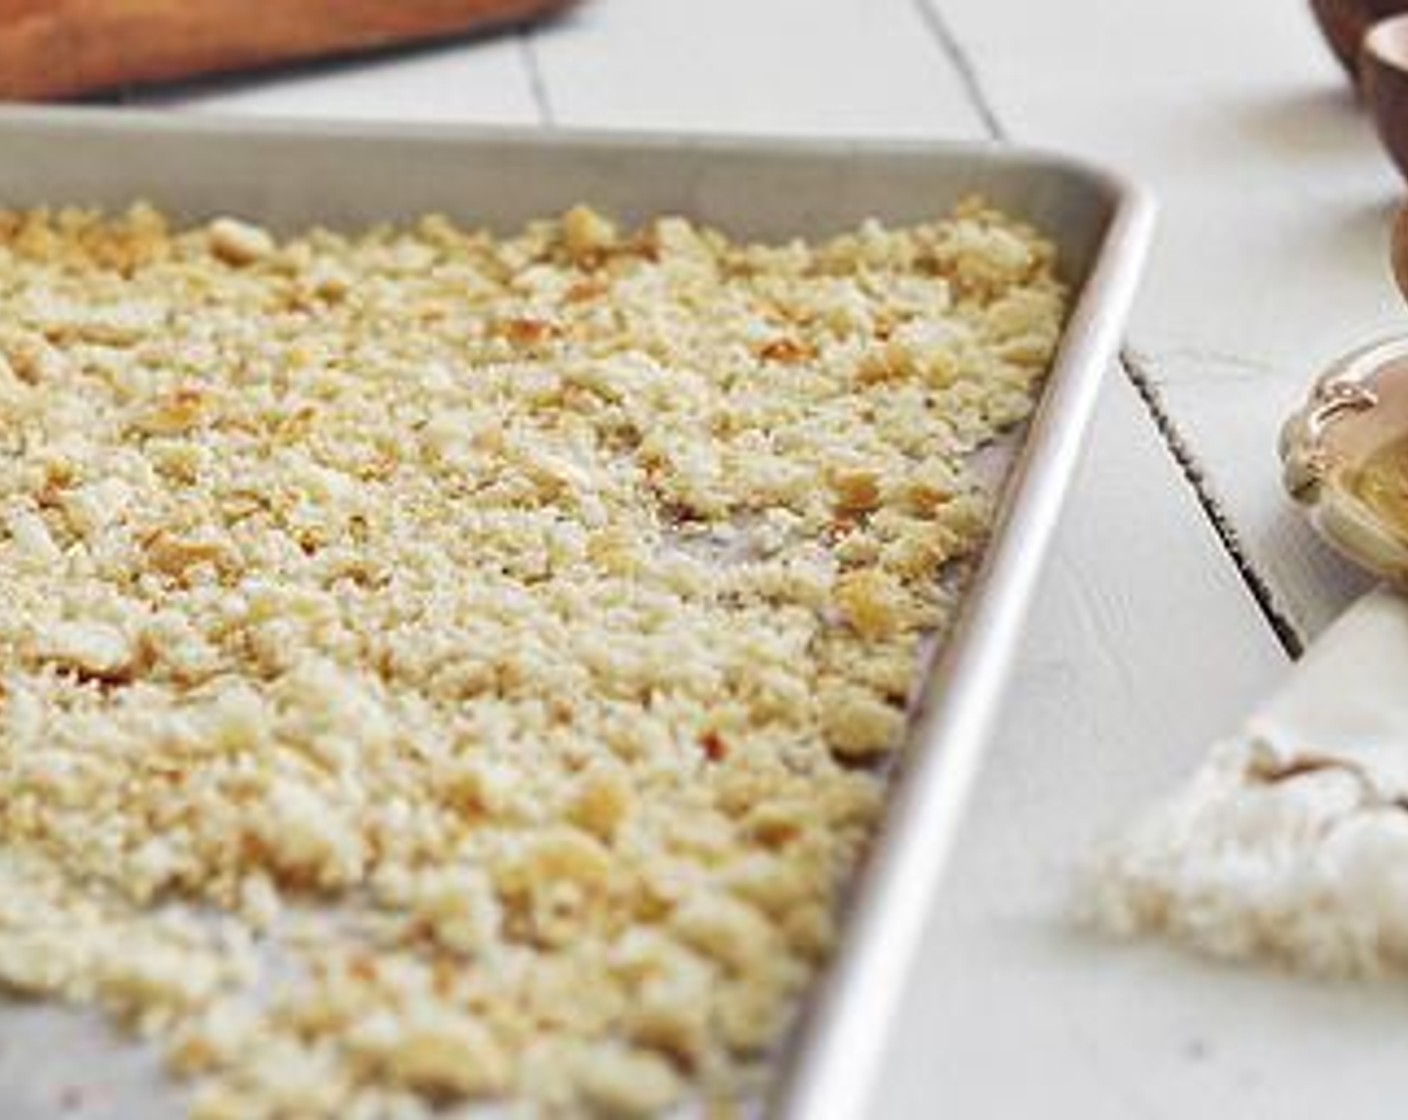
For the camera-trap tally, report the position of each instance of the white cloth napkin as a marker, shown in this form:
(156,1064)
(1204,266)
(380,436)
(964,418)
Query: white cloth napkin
(1291,840)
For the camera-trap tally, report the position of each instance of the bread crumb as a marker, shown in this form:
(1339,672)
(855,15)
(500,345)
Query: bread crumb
(871,601)
(91,649)
(621,1083)
(443,667)
(586,232)
(448,1056)
(239,243)
(856,724)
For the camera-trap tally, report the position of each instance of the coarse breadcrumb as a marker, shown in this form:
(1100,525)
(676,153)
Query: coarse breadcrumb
(437,667)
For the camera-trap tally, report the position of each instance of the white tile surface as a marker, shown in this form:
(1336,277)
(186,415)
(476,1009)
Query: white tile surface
(482,80)
(795,66)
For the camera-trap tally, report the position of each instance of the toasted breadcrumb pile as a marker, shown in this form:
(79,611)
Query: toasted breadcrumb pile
(437,668)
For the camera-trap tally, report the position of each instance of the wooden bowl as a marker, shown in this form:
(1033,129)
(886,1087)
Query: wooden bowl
(1345,23)
(1383,77)
(1400,251)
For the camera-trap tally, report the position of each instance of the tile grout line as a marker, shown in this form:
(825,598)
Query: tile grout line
(1137,371)
(947,41)
(942,33)
(537,82)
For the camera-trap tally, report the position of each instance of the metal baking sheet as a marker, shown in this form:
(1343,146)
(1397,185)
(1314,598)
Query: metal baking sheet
(290,175)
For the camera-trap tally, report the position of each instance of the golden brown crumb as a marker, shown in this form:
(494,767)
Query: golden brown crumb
(239,243)
(503,635)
